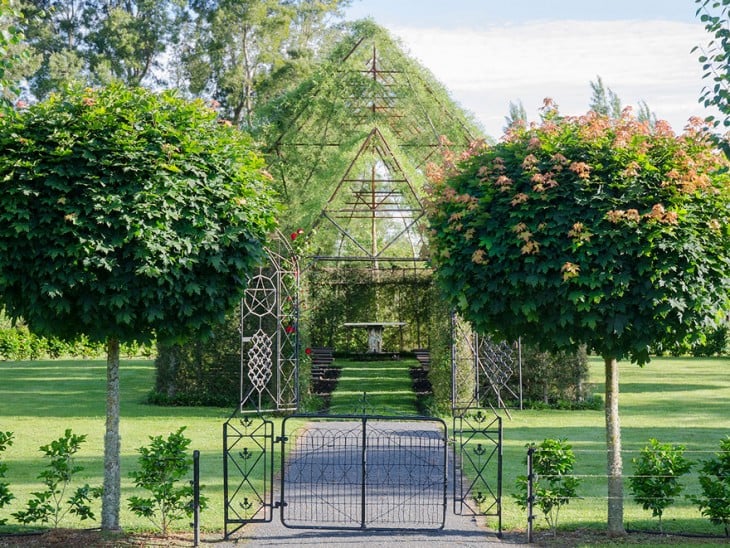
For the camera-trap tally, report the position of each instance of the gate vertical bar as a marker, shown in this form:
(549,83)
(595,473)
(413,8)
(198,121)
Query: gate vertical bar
(225,481)
(364,472)
(196,498)
(530,493)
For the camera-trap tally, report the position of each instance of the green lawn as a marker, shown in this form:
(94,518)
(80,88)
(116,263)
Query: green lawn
(386,384)
(40,399)
(675,400)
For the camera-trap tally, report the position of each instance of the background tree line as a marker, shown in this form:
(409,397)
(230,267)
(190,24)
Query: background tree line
(235,52)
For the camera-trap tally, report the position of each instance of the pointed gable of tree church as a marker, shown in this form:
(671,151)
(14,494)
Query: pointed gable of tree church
(349,149)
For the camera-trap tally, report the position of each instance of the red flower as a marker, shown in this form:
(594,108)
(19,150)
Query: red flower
(308,351)
(294,236)
(289,329)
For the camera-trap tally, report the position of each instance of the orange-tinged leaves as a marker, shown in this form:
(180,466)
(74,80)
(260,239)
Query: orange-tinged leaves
(570,271)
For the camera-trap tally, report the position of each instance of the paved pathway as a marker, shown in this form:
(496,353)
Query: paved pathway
(405,486)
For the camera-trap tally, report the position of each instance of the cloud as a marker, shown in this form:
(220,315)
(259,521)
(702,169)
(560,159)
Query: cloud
(640,60)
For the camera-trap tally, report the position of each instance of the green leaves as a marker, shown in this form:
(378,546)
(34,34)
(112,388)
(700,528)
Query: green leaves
(48,505)
(151,201)
(163,465)
(554,486)
(6,440)
(655,482)
(715,58)
(714,503)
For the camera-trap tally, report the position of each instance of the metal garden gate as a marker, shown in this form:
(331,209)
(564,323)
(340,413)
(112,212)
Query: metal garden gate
(365,472)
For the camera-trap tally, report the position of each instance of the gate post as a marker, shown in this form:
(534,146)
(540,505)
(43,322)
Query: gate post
(530,493)
(196,498)
(363,472)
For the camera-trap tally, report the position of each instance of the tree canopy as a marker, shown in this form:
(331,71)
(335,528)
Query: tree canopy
(243,52)
(240,53)
(96,42)
(587,230)
(126,213)
(11,51)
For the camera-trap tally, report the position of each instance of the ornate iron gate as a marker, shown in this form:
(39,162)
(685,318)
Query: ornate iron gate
(364,472)
(248,468)
(355,471)
(480,371)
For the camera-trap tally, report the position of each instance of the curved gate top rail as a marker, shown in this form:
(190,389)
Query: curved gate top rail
(365,472)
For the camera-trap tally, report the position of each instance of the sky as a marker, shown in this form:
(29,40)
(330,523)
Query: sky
(489,53)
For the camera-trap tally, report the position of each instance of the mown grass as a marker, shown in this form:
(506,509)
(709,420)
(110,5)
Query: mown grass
(40,399)
(684,401)
(675,400)
(377,387)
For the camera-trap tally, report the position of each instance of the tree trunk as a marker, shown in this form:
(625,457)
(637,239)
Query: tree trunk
(613,451)
(112,474)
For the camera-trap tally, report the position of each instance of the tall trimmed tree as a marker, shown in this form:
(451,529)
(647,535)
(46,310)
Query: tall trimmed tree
(125,215)
(588,231)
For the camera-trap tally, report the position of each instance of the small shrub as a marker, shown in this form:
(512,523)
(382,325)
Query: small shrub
(714,503)
(162,465)
(716,343)
(589,403)
(655,482)
(553,487)
(48,505)
(6,440)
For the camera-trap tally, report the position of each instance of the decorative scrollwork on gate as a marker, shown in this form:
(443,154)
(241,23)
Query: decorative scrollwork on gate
(269,326)
(259,361)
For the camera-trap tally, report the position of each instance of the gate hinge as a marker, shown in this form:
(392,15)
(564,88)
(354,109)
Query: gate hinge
(280,504)
(279,439)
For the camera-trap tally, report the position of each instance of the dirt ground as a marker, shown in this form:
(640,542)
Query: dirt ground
(84,538)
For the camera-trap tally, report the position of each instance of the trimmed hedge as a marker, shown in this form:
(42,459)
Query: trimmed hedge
(18,343)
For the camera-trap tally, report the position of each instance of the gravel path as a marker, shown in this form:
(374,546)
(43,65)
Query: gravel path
(405,490)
